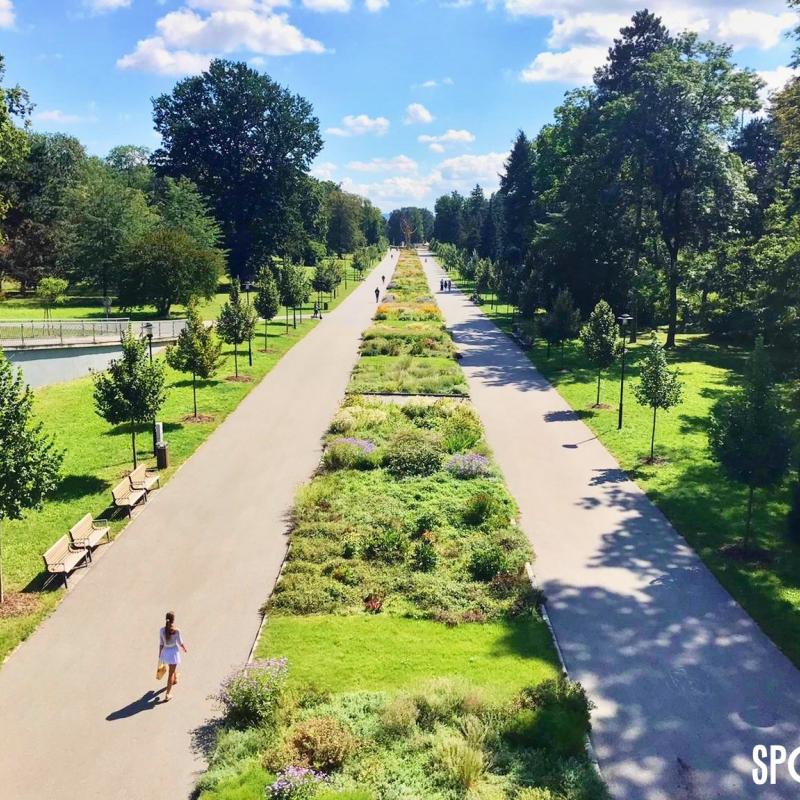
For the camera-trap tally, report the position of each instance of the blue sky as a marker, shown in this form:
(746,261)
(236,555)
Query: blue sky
(414,97)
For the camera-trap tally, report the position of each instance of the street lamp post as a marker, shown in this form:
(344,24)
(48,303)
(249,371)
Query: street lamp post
(249,338)
(148,332)
(623,323)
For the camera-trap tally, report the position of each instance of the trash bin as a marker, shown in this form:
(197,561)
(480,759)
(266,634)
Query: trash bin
(324,306)
(162,455)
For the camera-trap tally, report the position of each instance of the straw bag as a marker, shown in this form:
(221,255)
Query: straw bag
(161,671)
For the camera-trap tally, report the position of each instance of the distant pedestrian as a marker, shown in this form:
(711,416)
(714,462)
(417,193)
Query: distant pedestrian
(377,293)
(441,284)
(317,315)
(383,279)
(169,647)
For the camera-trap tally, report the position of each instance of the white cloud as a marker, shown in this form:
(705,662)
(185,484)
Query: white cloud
(186,41)
(152,55)
(231,5)
(581,31)
(7,18)
(463,172)
(102,6)
(397,164)
(775,79)
(324,6)
(60,118)
(746,28)
(376,5)
(417,114)
(324,171)
(574,66)
(360,124)
(438,143)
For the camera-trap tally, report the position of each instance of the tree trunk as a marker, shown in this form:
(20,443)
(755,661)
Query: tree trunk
(266,335)
(194,393)
(748,525)
(294,317)
(287,319)
(236,359)
(653,437)
(133,443)
(672,308)
(599,373)
(548,349)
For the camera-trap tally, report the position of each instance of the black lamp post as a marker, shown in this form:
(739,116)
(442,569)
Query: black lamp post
(148,332)
(249,338)
(623,323)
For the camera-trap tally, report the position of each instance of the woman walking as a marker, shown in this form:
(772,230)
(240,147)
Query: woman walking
(170,645)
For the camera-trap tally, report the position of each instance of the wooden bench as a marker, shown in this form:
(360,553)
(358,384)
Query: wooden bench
(88,532)
(63,558)
(144,478)
(125,496)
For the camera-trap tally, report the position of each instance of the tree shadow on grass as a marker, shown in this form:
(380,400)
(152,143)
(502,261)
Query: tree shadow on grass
(73,487)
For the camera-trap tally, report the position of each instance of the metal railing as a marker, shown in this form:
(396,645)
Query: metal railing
(29,332)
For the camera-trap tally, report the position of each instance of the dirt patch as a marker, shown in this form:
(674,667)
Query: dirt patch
(18,604)
(239,379)
(600,406)
(656,461)
(750,554)
(191,419)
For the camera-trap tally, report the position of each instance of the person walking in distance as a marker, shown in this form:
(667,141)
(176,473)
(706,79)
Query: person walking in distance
(377,294)
(169,647)
(383,279)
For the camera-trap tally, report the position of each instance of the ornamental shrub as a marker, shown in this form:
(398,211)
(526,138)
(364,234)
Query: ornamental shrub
(486,561)
(350,453)
(461,430)
(412,453)
(296,783)
(399,716)
(463,764)
(323,743)
(468,465)
(425,558)
(250,696)
(479,508)
(388,545)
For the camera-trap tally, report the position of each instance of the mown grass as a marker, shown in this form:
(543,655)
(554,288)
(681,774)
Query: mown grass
(370,653)
(96,456)
(685,483)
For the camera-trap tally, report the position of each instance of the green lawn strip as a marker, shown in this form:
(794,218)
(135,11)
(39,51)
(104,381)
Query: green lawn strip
(408,375)
(703,505)
(416,661)
(384,653)
(97,456)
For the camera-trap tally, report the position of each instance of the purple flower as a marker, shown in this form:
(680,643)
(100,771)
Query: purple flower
(468,465)
(364,445)
(295,783)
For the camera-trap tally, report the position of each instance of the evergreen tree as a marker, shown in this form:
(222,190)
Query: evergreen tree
(29,462)
(197,350)
(600,340)
(658,387)
(268,300)
(131,390)
(749,434)
(563,321)
(518,195)
(236,322)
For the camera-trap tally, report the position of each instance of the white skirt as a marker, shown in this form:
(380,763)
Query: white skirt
(171,655)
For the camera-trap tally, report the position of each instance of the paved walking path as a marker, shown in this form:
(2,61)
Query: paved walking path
(684,681)
(78,715)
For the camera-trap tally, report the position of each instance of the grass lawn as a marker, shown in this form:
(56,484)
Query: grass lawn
(704,506)
(408,375)
(369,653)
(98,455)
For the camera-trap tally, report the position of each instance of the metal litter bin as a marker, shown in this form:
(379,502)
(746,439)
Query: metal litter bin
(162,455)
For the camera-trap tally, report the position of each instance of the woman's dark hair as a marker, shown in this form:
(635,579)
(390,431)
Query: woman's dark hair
(168,628)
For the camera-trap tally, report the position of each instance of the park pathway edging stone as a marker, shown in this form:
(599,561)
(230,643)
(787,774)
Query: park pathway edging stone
(79,717)
(685,683)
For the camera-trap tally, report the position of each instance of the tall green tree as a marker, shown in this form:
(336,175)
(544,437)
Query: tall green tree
(344,222)
(518,197)
(50,292)
(247,143)
(658,387)
(268,300)
(29,461)
(131,163)
(197,350)
(600,340)
(563,321)
(447,226)
(749,433)
(132,390)
(236,322)
(294,288)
